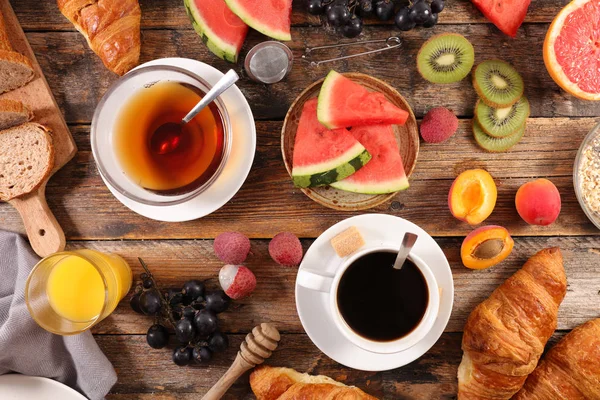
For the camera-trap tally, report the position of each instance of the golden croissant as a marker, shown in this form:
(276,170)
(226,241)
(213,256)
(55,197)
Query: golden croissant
(506,334)
(570,370)
(111,28)
(270,383)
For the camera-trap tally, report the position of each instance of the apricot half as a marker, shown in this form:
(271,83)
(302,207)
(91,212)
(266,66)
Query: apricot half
(472,196)
(538,202)
(485,247)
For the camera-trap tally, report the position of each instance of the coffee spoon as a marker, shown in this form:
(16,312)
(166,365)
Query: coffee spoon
(167,137)
(407,244)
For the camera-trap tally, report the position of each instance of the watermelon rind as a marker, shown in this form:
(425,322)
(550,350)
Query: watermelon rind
(238,9)
(325,99)
(218,47)
(384,187)
(333,170)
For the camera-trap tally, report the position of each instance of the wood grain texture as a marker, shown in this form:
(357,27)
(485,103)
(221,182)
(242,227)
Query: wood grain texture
(79,79)
(174,262)
(145,373)
(45,233)
(43,230)
(170,14)
(86,209)
(268,203)
(37,94)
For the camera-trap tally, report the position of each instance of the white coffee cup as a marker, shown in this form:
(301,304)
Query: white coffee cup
(329,284)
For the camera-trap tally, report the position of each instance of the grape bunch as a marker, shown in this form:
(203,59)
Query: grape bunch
(347,14)
(191,311)
(418,12)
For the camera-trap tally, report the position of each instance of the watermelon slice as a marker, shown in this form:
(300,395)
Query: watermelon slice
(222,31)
(385,172)
(507,15)
(344,103)
(269,17)
(323,156)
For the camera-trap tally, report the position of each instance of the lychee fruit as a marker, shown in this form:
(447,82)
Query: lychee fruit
(237,281)
(232,247)
(438,125)
(285,249)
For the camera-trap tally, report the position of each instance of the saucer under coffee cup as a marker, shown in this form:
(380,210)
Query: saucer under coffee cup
(382,337)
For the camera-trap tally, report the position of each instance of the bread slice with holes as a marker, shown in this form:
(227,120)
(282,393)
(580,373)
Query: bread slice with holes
(26,159)
(16,70)
(13,113)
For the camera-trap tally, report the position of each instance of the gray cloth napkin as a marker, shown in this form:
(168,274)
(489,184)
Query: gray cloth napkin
(25,348)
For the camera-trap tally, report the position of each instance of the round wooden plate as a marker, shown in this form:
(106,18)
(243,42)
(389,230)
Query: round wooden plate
(406,135)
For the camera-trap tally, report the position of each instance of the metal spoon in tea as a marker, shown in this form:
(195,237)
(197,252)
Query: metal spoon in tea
(408,242)
(167,137)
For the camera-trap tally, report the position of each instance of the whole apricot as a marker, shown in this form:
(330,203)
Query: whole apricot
(538,202)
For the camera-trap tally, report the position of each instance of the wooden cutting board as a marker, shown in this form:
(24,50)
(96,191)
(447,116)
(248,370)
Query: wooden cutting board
(45,233)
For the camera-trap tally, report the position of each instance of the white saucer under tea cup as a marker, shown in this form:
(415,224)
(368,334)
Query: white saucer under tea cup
(236,169)
(329,284)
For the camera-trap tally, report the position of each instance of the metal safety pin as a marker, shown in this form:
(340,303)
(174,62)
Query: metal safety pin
(390,43)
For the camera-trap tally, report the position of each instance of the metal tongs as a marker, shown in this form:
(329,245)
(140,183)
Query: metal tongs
(390,43)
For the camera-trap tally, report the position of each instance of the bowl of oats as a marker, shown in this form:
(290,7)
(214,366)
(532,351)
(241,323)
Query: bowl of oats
(586,175)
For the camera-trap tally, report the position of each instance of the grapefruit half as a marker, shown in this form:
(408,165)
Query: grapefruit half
(572,49)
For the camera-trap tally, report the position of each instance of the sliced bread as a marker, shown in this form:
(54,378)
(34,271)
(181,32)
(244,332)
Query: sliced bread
(4,42)
(15,70)
(13,113)
(26,159)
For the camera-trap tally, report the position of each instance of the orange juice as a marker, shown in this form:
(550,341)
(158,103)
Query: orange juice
(69,292)
(76,290)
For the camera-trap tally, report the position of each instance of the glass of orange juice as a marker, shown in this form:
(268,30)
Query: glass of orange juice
(69,292)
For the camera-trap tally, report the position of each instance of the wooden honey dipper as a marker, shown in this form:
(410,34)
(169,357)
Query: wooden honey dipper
(258,346)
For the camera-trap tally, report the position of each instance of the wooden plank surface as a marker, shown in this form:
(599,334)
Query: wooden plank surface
(268,203)
(37,94)
(147,374)
(170,14)
(86,209)
(79,79)
(174,262)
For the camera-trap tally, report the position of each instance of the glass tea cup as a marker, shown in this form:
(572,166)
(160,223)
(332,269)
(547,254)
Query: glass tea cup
(106,118)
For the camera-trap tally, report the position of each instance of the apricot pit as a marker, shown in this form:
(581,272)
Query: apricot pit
(486,246)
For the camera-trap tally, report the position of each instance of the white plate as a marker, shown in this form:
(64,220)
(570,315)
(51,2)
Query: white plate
(23,387)
(313,306)
(238,165)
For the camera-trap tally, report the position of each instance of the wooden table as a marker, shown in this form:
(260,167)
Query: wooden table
(268,203)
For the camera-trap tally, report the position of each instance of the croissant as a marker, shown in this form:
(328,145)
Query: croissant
(570,370)
(111,28)
(505,335)
(270,383)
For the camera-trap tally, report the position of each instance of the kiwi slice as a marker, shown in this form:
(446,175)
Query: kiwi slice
(445,58)
(502,122)
(497,83)
(493,144)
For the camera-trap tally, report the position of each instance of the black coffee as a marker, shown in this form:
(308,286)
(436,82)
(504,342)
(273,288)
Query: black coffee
(379,302)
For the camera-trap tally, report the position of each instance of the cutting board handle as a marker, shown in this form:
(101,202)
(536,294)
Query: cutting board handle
(44,232)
